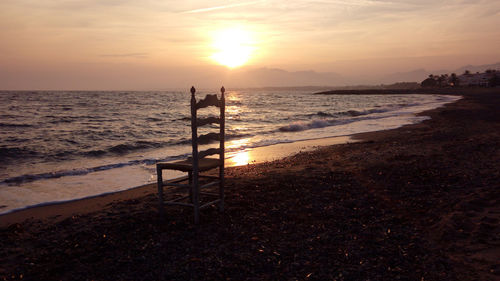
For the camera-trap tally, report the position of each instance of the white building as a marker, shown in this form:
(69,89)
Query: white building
(476,79)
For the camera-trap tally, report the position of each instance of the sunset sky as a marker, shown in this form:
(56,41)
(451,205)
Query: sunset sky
(152,44)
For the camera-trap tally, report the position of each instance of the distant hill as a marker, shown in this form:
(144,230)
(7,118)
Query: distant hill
(477,68)
(420,74)
(411,76)
(273,77)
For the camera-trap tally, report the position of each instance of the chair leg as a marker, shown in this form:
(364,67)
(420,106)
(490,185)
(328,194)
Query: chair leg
(196,198)
(190,181)
(221,188)
(160,188)
(196,203)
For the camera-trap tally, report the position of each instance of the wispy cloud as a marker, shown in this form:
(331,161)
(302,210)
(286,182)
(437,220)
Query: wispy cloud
(209,9)
(352,2)
(127,55)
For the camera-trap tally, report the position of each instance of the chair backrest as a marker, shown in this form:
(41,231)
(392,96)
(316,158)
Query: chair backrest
(209,100)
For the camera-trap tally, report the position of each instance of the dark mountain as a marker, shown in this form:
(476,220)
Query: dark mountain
(272,77)
(411,76)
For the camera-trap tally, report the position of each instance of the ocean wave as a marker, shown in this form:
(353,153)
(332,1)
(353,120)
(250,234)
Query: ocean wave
(227,136)
(123,148)
(79,172)
(349,117)
(182,119)
(16,153)
(233,102)
(351,113)
(319,113)
(15,125)
(302,126)
(324,114)
(154,119)
(356,113)
(66,151)
(63,120)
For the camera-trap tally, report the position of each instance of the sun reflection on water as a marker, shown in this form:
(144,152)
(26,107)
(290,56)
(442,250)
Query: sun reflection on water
(241,155)
(240,158)
(235,144)
(238,154)
(233,105)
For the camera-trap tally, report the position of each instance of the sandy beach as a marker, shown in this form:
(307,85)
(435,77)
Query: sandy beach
(421,202)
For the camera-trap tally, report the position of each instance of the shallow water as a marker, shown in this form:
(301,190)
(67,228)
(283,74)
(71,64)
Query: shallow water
(57,146)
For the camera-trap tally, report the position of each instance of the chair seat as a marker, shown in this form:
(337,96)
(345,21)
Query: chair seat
(204,164)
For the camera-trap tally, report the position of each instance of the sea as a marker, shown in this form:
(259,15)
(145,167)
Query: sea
(59,146)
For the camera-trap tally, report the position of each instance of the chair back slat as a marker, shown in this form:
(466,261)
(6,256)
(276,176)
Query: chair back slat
(207,138)
(208,120)
(209,100)
(208,152)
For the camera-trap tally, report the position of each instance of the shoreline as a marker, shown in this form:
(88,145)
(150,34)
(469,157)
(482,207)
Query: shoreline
(420,202)
(64,209)
(251,155)
(419,91)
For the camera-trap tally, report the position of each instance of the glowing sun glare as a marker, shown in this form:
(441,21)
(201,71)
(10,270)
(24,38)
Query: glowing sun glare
(233,47)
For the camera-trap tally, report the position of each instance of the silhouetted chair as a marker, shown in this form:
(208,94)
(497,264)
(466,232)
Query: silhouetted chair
(199,162)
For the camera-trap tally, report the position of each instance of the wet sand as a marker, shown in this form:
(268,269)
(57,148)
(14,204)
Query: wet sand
(421,202)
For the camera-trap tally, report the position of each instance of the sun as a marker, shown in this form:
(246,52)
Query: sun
(233,47)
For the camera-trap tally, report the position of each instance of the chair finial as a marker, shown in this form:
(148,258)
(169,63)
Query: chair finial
(222,90)
(193,90)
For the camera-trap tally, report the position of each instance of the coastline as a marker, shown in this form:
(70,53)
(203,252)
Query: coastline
(420,91)
(69,185)
(418,202)
(57,211)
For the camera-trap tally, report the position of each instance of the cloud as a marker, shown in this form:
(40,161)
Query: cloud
(127,55)
(214,8)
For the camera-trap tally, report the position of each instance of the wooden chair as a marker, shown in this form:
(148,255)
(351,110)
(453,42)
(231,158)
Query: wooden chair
(199,162)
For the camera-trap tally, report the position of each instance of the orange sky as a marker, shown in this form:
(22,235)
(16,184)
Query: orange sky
(152,44)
